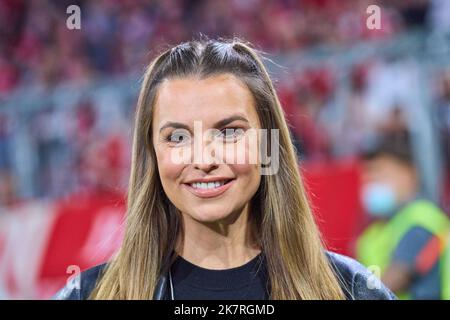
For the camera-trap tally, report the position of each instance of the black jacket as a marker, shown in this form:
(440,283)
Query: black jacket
(356,281)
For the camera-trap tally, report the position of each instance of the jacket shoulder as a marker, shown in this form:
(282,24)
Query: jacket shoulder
(80,286)
(357,282)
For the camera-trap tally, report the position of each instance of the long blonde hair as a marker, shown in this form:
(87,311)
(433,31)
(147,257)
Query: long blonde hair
(297,265)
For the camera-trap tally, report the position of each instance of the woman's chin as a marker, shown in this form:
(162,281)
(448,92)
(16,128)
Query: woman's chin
(210,216)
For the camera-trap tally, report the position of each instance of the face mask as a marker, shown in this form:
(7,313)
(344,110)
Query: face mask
(379,199)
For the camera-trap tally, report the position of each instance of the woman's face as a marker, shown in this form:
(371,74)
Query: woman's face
(209,173)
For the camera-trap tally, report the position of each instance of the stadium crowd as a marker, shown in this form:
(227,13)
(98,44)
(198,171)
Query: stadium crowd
(90,152)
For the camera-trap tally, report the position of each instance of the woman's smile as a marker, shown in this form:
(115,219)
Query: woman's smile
(209,189)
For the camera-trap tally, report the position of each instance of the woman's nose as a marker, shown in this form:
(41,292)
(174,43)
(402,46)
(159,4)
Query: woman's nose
(205,156)
(206,167)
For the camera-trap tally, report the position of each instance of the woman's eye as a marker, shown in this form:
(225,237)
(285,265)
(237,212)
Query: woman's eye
(231,134)
(178,137)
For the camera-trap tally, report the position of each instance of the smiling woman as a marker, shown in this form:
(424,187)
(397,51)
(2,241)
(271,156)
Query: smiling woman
(208,190)
(212,227)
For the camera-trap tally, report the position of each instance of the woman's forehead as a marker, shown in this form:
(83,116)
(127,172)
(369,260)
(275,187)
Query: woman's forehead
(191,99)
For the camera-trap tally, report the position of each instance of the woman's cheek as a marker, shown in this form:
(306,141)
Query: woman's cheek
(170,164)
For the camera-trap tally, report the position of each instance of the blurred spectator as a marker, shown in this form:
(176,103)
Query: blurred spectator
(7,188)
(442,122)
(406,239)
(7,192)
(395,122)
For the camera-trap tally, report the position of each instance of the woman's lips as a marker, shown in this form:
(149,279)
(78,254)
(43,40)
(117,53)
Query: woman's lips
(209,193)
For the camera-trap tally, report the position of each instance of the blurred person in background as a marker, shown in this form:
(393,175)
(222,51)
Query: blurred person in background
(7,195)
(441,118)
(408,237)
(7,192)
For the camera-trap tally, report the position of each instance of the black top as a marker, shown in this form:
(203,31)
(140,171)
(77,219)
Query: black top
(356,281)
(245,282)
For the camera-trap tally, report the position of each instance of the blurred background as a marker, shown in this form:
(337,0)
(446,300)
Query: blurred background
(67,102)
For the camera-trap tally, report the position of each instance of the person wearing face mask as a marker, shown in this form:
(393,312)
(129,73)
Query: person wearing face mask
(407,242)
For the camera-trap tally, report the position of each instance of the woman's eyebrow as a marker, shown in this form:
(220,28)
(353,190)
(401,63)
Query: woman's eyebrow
(228,120)
(171,124)
(218,124)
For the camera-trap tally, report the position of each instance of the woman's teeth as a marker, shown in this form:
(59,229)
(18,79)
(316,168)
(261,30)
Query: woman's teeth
(209,185)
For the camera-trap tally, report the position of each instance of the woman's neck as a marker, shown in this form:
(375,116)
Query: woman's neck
(218,245)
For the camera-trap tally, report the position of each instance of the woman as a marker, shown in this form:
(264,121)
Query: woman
(217,228)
